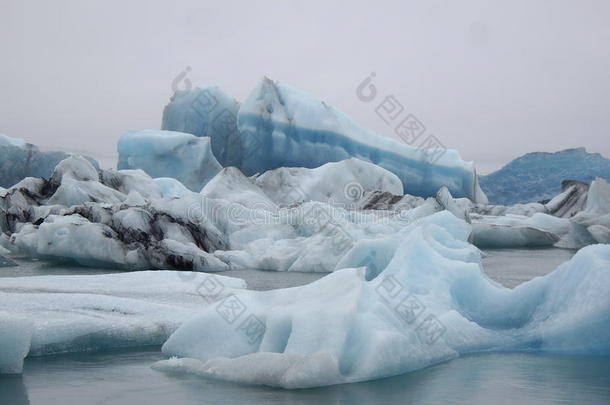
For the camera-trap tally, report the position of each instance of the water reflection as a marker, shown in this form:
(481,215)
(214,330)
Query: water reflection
(126,377)
(13,391)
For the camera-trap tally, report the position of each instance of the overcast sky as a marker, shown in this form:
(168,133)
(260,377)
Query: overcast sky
(492,79)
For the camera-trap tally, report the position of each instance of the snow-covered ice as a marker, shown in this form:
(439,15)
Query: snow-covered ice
(341,183)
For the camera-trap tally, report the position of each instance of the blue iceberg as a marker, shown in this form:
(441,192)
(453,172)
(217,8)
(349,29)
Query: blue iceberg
(19,159)
(178,155)
(205,112)
(278,126)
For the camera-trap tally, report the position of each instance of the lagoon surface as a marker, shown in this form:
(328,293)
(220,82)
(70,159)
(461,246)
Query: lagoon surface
(125,376)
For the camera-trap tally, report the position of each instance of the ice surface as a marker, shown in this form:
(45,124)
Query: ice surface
(538,176)
(283,127)
(206,112)
(171,188)
(8,141)
(80,313)
(598,198)
(178,155)
(230,184)
(15,337)
(431,303)
(341,183)
(573,199)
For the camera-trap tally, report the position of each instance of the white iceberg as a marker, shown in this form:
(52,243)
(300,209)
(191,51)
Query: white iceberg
(339,183)
(432,302)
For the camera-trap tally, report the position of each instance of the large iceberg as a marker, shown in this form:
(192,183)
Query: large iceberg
(411,301)
(278,126)
(537,176)
(282,127)
(178,155)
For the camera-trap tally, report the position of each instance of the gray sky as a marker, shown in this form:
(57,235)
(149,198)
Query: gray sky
(492,79)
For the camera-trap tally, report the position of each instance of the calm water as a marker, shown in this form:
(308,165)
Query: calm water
(125,377)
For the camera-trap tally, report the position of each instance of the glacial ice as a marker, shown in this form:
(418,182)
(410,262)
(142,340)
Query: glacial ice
(431,303)
(178,155)
(287,219)
(283,127)
(206,112)
(85,313)
(9,141)
(280,127)
(341,183)
(15,336)
(19,159)
(172,188)
(592,225)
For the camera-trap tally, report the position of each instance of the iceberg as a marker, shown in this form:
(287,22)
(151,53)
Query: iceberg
(206,112)
(121,224)
(430,303)
(340,183)
(184,157)
(19,159)
(592,225)
(286,219)
(280,127)
(97,312)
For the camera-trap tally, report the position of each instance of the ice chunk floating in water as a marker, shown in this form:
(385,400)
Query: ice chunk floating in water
(432,302)
(83,313)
